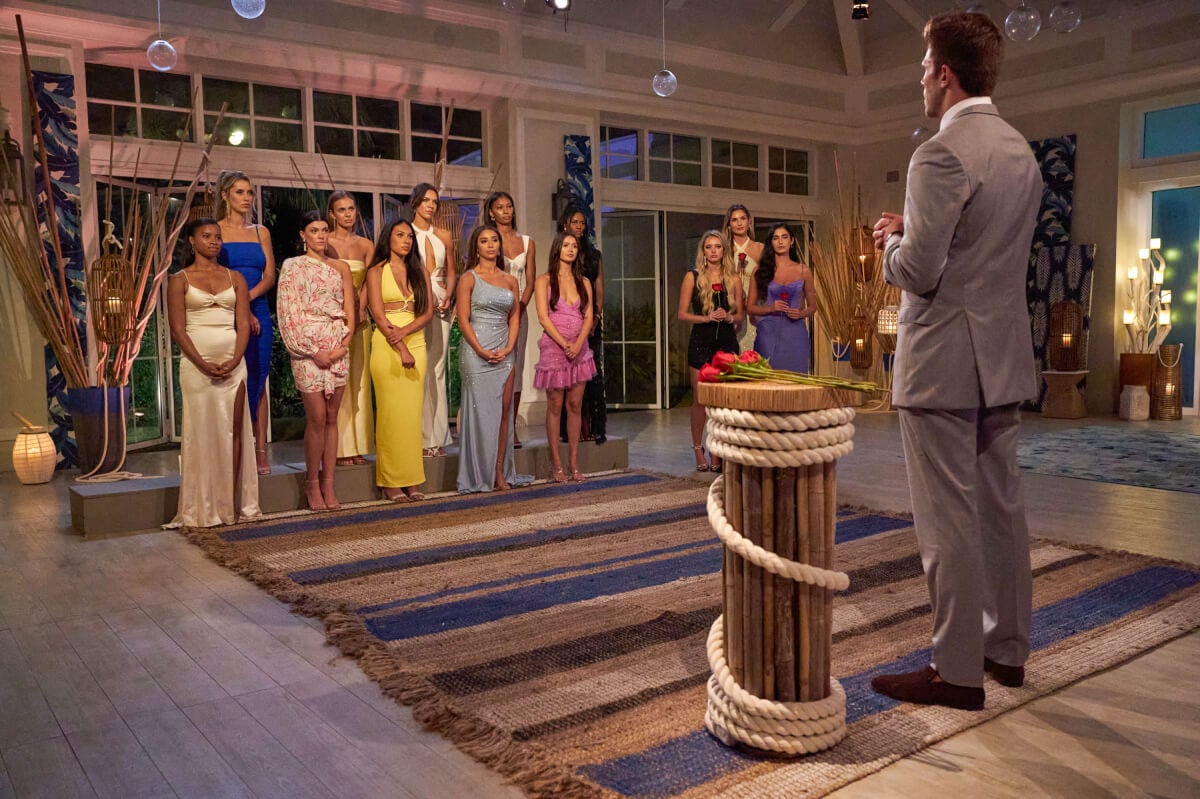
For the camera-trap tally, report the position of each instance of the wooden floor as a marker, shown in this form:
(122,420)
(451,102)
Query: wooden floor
(136,667)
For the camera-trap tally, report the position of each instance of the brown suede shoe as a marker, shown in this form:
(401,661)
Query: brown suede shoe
(1011,676)
(919,687)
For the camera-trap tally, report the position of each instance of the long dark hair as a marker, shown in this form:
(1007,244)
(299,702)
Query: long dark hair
(413,269)
(491,200)
(473,244)
(576,268)
(766,265)
(189,256)
(418,193)
(588,253)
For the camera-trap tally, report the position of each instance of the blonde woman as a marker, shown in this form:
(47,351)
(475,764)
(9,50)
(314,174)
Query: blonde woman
(738,231)
(711,299)
(356,422)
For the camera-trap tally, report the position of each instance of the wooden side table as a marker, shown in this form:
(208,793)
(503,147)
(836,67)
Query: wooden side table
(1063,398)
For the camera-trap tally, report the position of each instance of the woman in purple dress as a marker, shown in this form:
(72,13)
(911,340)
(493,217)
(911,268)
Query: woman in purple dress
(782,297)
(564,309)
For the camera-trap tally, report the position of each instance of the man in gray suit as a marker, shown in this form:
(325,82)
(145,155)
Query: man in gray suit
(964,360)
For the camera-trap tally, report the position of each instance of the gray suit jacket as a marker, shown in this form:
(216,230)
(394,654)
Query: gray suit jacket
(972,200)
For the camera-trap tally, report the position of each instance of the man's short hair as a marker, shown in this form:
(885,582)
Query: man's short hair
(971,45)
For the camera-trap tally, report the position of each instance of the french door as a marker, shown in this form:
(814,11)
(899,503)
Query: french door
(632,309)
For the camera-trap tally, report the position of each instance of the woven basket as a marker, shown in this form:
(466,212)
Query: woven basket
(1066,347)
(1166,388)
(861,354)
(112,292)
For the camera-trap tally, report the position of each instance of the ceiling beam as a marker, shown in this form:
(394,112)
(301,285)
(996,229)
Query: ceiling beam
(910,14)
(785,18)
(849,31)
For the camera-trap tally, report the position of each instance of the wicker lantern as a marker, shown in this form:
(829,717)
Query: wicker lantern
(887,325)
(34,455)
(1166,387)
(861,345)
(111,293)
(1065,346)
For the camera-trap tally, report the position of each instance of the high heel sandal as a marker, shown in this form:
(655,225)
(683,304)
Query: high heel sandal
(260,460)
(312,487)
(700,467)
(559,475)
(576,476)
(395,495)
(326,493)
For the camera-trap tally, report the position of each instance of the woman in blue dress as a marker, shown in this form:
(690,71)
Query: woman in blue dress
(782,297)
(247,250)
(486,301)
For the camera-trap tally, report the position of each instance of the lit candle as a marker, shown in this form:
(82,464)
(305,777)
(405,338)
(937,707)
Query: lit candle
(1128,317)
(1158,277)
(1164,317)
(1066,340)
(1144,254)
(859,344)
(1165,297)
(1169,389)
(112,305)
(1155,244)
(1132,274)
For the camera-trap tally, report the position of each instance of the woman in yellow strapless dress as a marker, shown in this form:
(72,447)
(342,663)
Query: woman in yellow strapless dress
(356,420)
(401,300)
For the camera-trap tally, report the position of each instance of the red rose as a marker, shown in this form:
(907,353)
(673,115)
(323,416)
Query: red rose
(749,356)
(741,259)
(724,361)
(709,373)
(718,286)
(783,296)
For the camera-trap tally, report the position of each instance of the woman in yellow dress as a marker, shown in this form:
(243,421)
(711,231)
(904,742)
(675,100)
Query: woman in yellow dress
(400,296)
(356,420)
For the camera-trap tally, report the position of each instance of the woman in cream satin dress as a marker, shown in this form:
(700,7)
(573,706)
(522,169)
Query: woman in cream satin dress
(209,310)
(401,301)
(520,261)
(356,420)
(738,232)
(437,254)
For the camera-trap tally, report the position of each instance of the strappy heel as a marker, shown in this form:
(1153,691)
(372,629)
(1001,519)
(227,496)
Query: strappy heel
(327,492)
(700,467)
(313,488)
(576,476)
(260,460)
(559,475)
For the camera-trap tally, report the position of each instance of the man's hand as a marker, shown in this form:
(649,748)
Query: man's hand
(888,224)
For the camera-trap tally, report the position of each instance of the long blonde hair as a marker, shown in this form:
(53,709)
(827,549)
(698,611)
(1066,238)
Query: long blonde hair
(225,181)
(728,272)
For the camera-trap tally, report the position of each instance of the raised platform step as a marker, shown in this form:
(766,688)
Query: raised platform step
(101,509)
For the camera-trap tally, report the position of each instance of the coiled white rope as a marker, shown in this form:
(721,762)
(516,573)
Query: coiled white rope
(776,440)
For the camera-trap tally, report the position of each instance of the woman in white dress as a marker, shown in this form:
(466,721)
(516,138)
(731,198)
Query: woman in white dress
(437,253)
(738,232)
(209,309)
(520,261)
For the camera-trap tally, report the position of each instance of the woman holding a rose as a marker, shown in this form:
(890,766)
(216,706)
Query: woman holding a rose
(711,299)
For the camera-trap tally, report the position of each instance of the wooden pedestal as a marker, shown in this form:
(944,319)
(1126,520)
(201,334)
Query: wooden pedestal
(1063,399)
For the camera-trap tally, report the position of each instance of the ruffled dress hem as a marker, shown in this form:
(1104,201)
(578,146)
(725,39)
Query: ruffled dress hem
(558,377)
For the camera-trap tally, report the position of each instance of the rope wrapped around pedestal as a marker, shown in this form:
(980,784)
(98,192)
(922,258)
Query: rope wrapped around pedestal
(769,651)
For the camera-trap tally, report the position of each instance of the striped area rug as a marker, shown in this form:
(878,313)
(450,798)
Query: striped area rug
(556,633)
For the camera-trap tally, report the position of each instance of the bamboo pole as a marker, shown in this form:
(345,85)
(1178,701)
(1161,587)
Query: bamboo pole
(785,590)
(804,592)
(830,476)
(768,585)
(733,595)
(752,595)
(816,557)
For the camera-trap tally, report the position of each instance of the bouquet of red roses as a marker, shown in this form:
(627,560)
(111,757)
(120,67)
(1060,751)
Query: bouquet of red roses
(726,366)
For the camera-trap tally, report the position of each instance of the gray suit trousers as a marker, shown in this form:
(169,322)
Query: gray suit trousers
(969,515)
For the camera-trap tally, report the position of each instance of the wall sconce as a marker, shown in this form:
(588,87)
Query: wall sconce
(860,9)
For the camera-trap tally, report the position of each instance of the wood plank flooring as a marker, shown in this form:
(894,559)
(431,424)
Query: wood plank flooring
(136,667)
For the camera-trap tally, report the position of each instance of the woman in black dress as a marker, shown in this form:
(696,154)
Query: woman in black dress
(595,411)
(711,299)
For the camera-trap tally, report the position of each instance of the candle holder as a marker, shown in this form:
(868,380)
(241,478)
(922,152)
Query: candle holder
(1147,315)
(861,342)
(1066,350)
(1166,387)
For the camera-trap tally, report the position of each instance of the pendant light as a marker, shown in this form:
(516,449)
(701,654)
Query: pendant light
(161,53)
(664,83)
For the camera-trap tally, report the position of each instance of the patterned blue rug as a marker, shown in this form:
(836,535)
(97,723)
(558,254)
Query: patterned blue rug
(1125,455)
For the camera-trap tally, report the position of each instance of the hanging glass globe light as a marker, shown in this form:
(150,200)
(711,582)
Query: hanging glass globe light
(665,83)
(1065,18)
(249,9)
(161,55)
(513,5)
(975,8)
(1023,23)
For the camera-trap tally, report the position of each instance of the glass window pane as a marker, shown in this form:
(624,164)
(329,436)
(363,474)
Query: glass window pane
(620,140)
(109,83)
(640,373)
(745,155)
(102,118)
(467,123)
(660,145)
(639,310)
(775,158)
(425,118)
(687,148)
(464,153)
(373,144)
(745,180)
(235,132)
(797,161)
(276,101)
(334,141)
(614,362)
(1171,131)
(235,93)
(687,174)
(330,107)
(660,171)
(722,151)
(721,178)
(620,168)
(797,184)
(166,125)
(278,136)
(425,150)
(775,183)
(166,88)
(373,113)
(144,417)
